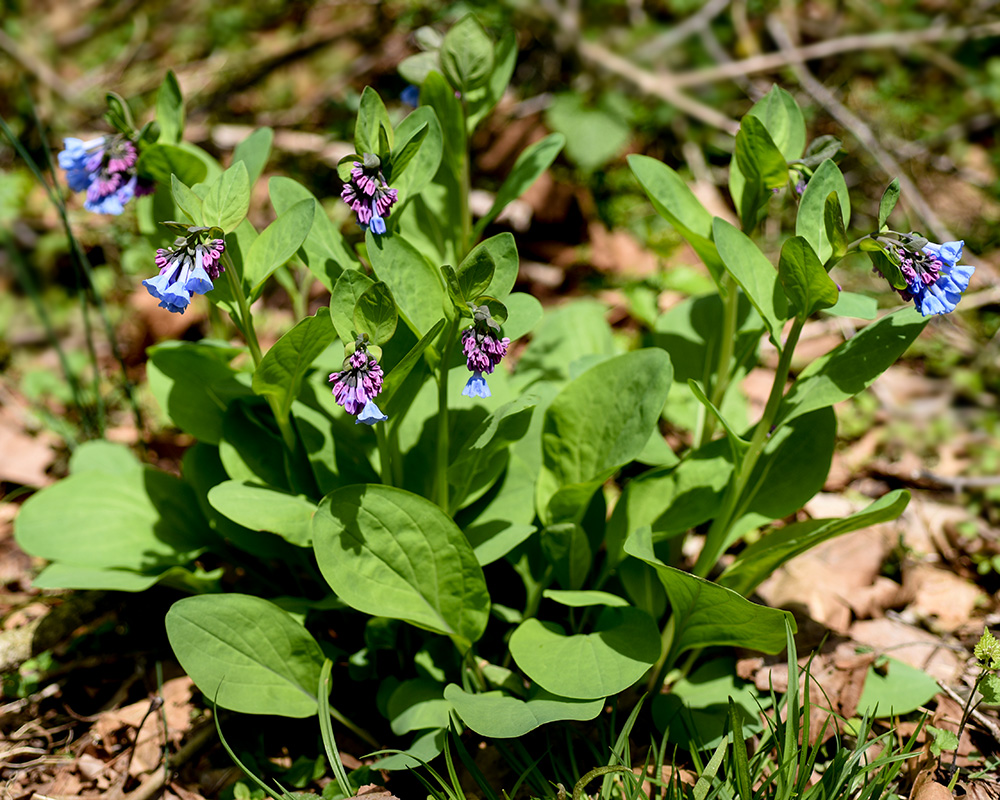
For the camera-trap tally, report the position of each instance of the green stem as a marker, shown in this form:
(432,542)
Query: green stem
(715,540)
(441,470)
(724,366)
(385,462)
(245,321)
(666,644)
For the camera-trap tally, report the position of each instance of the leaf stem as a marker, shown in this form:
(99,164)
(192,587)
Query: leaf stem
(724,365)
(245,321)
(441,469)
(385,461)
(716,539)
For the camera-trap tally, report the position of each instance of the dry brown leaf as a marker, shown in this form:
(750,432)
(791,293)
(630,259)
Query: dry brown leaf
(914,646)
(832,579)
(25,457)
(941,595)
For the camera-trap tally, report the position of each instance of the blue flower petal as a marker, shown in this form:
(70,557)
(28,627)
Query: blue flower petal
(476,386)
(371,414)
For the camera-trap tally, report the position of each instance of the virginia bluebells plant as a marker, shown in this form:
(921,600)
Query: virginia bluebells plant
(105,168)
(934,278)
(357,385)
(483,350)
(188,268)
(368,194)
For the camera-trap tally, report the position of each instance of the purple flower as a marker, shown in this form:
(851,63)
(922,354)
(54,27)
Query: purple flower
(934,278)
(105,168)
(357,385)
(483,350)
(368,194)
(186,269)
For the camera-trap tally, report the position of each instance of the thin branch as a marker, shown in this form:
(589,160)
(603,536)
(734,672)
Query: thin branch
(659,85)
(696,23)
(865,41)
(864,134)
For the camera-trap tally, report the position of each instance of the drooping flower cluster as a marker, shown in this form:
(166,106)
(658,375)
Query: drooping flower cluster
(188,268)
(357,385)
(934,278)
(368,194)
(483,350)
(105,169)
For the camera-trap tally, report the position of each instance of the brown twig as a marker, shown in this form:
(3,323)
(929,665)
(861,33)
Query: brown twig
(769,62)
(659,84)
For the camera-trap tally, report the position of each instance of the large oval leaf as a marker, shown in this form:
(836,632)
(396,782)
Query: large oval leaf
(246,654)
(394,554)
(586,666)
(500,716)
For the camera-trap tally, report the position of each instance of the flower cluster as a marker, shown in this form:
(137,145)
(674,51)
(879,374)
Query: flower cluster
(367,193)
(483,350)
(186,269)
(934,278)
(357,385)
(105,168)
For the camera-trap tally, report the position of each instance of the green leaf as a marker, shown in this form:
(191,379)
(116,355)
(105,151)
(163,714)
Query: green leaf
(394,554)
(899,691)
(373,122)
(141,519)
(467,54)
(836,234)
(324,250)
(757,167)
(532,162)
(503,252)
(694,715)
(159,161)
(263,508)
(186,201)
(254,152)
(194,384)
(584,599)
(395,377)
(755,275)
(475,273)
(858,306)
(170,109)
(350,286)
(586,666)
(410,276)
(277,244)
(593,136)
(807,285)
(481,101)
(375,313)
(852,366)
(944,740)
(417,704)
(763,557)
(246,654)
(228,198)
(565,544)
(500,716)
(706,614)
(415,161)
(472,473)
(279,374)
(888,202)
(676,203)
(602,420)
(811,220)
(523,314)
